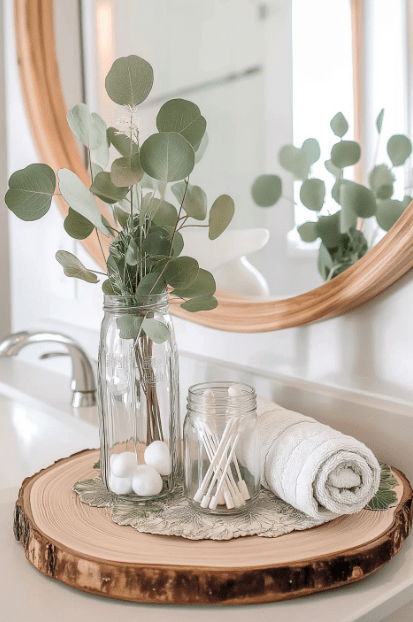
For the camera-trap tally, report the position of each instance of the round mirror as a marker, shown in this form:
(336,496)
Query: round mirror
(266,75)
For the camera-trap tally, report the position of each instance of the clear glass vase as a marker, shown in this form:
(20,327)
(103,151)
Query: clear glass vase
(140,431)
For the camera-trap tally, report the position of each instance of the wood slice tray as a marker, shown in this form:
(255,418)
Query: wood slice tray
(80,546)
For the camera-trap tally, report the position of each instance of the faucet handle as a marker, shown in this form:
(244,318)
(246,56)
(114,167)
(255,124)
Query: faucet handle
(80,398)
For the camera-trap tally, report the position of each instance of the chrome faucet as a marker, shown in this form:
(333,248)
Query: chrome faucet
(83,380)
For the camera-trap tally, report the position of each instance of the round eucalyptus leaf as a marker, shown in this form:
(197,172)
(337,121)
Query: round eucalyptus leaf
(308,231)
(156,330)
(122,143)
(103,188)
(324,262)
(129,81)
(129,326)
(79,198)
(203,285)
(345,153)
(108,289)
(293,160)
(388,213)
(379,120)
(407,200)
(399,148)
(74,268)
(200,151)
(359,198)
(311,150)
(30,191)
(152,283)
(336,189)
(348,218)
(177,244)
(200,303)
(184,117)
(167,156)
(334,170)
(181,272)
(84,127)
(96,168)
(312,194)
(126,171)
(266,190)
(220,215)
(195,203)
(328,229)
(381,181)
(339,124)
(165,214)
(156,245)
(101,153)
(77,226)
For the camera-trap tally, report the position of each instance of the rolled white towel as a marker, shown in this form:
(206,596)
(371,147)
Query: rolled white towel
(314,468)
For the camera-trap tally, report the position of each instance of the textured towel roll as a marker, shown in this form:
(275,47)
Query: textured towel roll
(316,469)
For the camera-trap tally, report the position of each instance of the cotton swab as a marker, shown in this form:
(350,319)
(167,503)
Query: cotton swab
(214,501)
(202,488)
(207,497)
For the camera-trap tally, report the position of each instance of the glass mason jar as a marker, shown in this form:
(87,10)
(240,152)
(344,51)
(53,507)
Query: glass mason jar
(140,432)
(222,458)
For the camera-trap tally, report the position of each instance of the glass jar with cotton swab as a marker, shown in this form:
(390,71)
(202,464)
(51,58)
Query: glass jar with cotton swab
(222,448)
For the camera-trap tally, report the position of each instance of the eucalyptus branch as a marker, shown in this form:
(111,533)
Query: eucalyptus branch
(89,157)
(101,247)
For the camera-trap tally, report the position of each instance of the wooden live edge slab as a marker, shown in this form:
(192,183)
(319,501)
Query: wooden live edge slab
(81,547)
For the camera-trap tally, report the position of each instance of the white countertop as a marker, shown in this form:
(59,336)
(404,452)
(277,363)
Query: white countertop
(32,437)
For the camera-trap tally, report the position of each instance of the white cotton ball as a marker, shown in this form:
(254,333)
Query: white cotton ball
(157,456)
(209,396)
(235,390)
(120,485)
(147,481)
(124,464)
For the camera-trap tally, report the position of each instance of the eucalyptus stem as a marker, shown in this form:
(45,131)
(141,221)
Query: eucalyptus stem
(101,247)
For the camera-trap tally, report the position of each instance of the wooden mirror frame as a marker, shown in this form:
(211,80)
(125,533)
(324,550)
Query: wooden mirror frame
(390,259)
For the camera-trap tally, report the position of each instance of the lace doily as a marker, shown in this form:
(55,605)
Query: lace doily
(174,516)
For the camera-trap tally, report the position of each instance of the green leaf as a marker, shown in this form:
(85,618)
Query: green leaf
(126,171)
(385,496)
(359,198)
(203,285)
(201,303)
(74,268)
(132,253)
(334,170)
(84,127)
(324,262)
(336,189)
(195,203)
(379,120)
(107,288)
(200,151)
(156,330)
(165,214)
(312,194)
(220,215)
(381,181)
(308,231)
(108,226)
(103,188)
(122,143)
(348,218)
(101,154)
(292,159)
(328,229)
(184,117)
(30,191)
(121,215)
(77,226)
(167,156)
(388,212)
(311,151)
(181,272)
(96,168)
(177,244)
(155,244)
(129,81)
(339,124)
(129,326)
(266,190)
(147,284)
(407,200)
(80,198)
(399,149)
(345,153)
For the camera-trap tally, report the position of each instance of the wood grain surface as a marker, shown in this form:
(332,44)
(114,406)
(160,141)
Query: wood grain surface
(80,546)
(384,264)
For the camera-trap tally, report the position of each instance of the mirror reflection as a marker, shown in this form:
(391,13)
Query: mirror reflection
(265,74)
